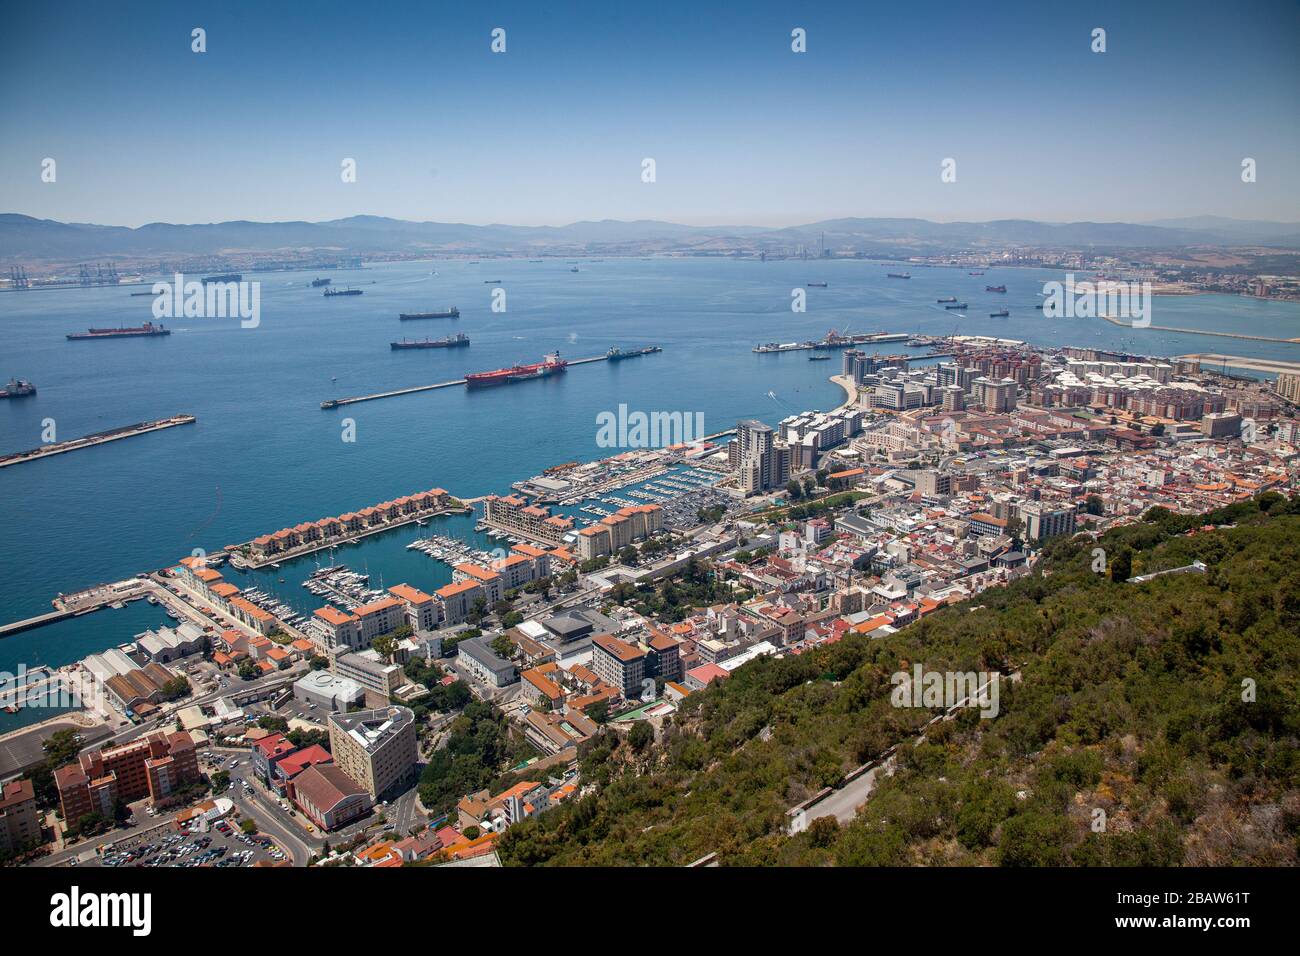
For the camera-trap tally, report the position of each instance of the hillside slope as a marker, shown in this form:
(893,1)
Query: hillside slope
(1130,703)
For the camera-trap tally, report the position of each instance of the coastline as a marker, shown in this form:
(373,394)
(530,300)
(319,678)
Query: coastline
(850,392)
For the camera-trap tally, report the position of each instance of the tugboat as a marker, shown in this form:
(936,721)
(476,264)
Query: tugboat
(18,388)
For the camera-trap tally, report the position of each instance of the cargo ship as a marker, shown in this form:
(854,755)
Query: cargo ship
(1000,314)
(330,293)
(959,305)
(143,331)
(819,358)
(229,277)
(900,275)
(947,298)
(816,285)
(974,273)
(317,283)
(450,342)
(995,288)
(551,364)
(617,354)
(452,313)
(17,388)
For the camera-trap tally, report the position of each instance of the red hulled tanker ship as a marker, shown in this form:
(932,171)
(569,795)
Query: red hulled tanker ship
(551,364)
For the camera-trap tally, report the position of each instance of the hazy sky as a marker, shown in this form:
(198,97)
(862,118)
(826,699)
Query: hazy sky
(742,130)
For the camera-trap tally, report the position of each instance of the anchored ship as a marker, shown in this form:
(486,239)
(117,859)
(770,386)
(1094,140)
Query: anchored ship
(146,330)
(900,275)
(330,293)
(617,354)
(17,388)
(947,298)
(959,305)
(452,313)
(551,364)
(450,342)
(229,277)
(317,283)
(995,288)
(1000,314)
(816,285)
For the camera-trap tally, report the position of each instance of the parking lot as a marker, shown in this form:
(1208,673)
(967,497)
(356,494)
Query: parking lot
(222,844)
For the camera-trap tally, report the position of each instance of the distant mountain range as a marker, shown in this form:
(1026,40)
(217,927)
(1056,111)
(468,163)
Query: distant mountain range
(24,239)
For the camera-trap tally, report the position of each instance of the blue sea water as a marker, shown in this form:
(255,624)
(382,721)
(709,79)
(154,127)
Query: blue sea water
(264,454)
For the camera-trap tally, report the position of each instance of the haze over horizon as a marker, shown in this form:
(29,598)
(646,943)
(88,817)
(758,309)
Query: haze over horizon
(743,131)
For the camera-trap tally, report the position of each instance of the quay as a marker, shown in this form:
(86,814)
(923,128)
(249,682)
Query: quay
(1241,361)
(96,438)
(1224,335)
(336,402)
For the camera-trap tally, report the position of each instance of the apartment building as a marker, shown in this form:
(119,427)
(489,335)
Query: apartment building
(619,664)
(154,766)
(20,820)
(614,532)
(376,748)
(513,513)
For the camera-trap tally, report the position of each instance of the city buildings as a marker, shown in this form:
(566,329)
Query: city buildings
(375,748)
(157,765)
(20,820)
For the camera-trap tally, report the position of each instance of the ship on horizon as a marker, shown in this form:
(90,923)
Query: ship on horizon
(450,342)
(142,331)
(551,364)
(449,313)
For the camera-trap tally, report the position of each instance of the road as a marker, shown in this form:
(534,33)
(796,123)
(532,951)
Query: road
(843,804)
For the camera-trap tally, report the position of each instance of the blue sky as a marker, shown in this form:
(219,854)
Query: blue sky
(742,130)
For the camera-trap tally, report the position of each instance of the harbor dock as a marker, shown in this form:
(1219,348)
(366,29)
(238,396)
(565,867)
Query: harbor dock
(97,438)
(337,402)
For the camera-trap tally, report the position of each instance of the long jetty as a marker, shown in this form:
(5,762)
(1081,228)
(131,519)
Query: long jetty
(336,402)
(1113,320)
(97,438)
